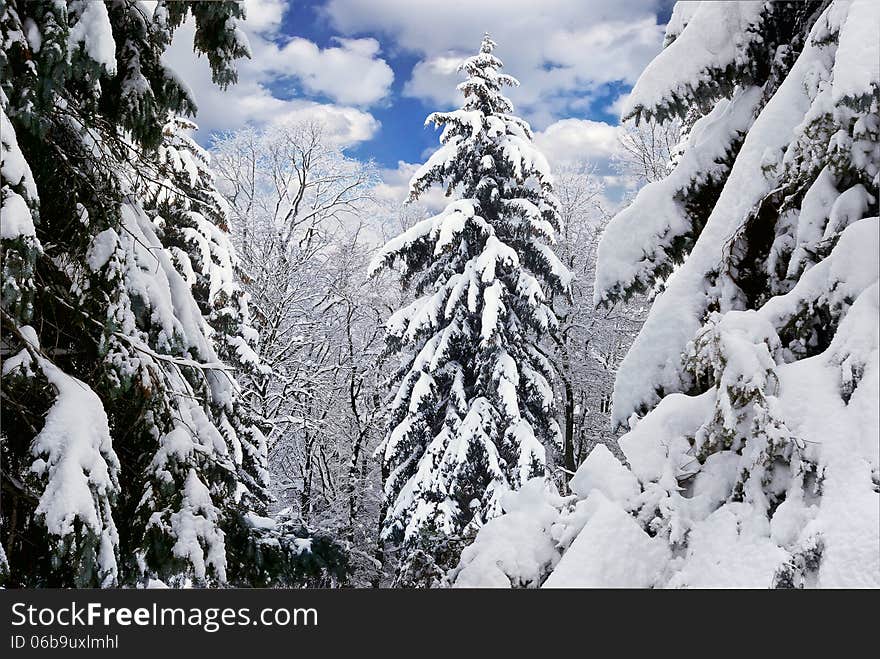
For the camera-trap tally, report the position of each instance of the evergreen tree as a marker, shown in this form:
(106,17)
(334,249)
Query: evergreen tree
(122,323)
(474,405)
(751,391)
(191,219)
(757,373)
(768,310)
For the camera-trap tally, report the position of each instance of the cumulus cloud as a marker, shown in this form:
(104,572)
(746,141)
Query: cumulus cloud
(394,188)
(342,125)
(577,140)
(562,51)
(583,142)
(434,80)
(616,106)
(350,73)
(264,15)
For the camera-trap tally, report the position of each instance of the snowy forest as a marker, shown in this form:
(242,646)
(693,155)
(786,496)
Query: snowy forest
(256,355)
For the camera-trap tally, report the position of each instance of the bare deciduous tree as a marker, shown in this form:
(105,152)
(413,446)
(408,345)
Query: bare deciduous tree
(590,342)
(646,150)
(302,222)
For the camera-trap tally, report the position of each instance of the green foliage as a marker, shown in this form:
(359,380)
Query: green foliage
(108,270)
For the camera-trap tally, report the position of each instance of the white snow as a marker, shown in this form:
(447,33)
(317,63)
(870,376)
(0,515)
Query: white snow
(682,13)
(611,551)
(723,542)
(653,364)
(857,64)
(849,207)
(850,268)
(515,549)
(22,359)
(493,308)
(730,549)
(603,472)
(17,220)
(15,215)
(74,453)
(14,167)
(844,435)
(93,30)
(814,212)
(661,438)
(715,37)
(32,32)
(195,527)
(102,248)
(640,238)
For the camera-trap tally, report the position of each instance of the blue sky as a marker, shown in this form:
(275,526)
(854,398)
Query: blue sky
(401,134)
(372,70)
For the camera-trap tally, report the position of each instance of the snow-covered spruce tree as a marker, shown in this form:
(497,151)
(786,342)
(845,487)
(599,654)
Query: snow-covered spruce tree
(755,462)
(474,405)
(117,406)
(191,219)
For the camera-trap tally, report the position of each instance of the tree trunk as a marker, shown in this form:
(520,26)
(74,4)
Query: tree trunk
(568,445)
(352,485)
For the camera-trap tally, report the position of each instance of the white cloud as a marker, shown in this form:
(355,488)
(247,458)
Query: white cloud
(616,107)
(435,25)
(434,79)
(349,73)
(342,125)
(264,15)
(394,187)
(570,141)
(576,142)
(561,50)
